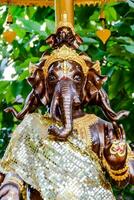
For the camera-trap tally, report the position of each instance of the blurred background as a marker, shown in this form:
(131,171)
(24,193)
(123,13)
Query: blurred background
(32,25)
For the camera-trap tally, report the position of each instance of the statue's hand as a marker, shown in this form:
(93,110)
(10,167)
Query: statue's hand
(9,191)
(115,156)
(115,149)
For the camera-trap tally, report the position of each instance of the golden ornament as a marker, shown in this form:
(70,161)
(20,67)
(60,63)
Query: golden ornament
(103,35)
(9,19)
(9,36)
(42,3)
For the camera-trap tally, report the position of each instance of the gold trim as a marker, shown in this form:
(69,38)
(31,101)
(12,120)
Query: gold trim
(45,3)
(40,3)
(82,126)
(97,67)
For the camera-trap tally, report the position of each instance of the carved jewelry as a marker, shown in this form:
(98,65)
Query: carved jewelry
(117,175)
(65,68)
(118,148)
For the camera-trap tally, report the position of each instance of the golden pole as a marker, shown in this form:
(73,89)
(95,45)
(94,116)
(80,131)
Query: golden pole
(64,13)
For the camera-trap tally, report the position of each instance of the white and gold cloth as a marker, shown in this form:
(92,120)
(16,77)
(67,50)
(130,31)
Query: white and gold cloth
(58,170)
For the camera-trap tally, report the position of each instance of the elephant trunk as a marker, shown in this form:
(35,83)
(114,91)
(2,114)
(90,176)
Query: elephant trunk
(66,99)
(66,109)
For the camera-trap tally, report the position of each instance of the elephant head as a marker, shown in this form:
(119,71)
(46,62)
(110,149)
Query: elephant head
(65,82)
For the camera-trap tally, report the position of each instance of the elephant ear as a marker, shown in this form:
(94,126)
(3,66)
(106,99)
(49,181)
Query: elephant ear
(94,82)
(38,83)
(96,95)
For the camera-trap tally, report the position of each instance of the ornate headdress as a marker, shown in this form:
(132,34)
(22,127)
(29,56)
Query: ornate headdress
(64,54)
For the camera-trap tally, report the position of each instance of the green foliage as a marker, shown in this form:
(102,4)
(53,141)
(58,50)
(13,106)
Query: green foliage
(33,25)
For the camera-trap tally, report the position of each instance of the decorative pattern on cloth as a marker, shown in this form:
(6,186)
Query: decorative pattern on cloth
(46,3)
(58,170)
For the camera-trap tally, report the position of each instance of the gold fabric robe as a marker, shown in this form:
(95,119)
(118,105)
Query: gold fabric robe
(58,170)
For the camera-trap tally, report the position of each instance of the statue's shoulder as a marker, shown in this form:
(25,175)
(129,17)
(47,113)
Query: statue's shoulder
(93,120)
(93,126)
(97,128)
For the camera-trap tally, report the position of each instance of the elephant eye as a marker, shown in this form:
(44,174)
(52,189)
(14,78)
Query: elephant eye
(52,77)
(77,78)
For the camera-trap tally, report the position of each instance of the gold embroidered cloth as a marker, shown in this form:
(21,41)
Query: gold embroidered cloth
(58,170)
(42,3)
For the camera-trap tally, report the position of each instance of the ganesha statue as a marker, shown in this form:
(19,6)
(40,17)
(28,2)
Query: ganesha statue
(65,153)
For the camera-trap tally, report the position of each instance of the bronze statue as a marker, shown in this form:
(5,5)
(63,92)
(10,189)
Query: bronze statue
(65,81)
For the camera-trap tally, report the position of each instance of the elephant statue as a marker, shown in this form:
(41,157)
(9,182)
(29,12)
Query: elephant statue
(65,90)
(65,81)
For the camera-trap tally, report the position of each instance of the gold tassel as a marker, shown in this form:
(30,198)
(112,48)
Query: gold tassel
(9,35)
(103,34)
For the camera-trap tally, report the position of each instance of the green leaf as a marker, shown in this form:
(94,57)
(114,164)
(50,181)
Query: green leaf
(131,3)
(31,11)
(19,33)
(3,86)
(129,48)
(89,40)
(83,47)
(30,25)
(110,13)
(116,84)
(124,39)
(9,95)
(44,48)
(26,63)
(24,75)
(123,28)
(50,26)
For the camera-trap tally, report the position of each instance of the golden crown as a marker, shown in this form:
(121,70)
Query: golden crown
(65,54)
